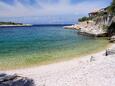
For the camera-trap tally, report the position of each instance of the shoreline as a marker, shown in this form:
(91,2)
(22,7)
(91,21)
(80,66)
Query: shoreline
(56,60)
(48,74)
(89,28)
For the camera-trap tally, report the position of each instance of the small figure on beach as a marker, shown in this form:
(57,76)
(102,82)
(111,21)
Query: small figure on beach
(92,59)
(106,53)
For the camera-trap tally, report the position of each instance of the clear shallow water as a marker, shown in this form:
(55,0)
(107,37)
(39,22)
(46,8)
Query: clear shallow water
(26,46)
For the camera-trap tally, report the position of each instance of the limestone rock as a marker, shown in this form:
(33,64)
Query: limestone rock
(15,80)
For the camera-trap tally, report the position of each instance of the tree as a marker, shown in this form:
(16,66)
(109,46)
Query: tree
(83,19)
(111,8)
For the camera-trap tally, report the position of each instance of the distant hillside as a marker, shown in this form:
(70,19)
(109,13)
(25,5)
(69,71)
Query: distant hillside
(10,23)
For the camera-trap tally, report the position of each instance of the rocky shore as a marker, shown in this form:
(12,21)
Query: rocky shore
(97,23)
(15,80)
(91,27)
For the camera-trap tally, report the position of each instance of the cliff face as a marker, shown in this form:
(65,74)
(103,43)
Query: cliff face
(104,20)
(98,26)
(111,29)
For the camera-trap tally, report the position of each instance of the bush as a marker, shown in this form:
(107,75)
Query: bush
(111,8)
(84,19)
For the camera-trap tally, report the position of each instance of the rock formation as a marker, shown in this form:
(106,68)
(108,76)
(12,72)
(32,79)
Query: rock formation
(98,26)
(15,80)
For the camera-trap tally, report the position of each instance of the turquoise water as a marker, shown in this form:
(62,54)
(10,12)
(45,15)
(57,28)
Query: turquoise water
(24,46)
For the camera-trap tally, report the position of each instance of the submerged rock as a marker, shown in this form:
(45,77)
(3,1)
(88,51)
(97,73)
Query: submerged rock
(15,80)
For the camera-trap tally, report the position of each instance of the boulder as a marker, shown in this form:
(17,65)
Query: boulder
(15,80)
(112,39)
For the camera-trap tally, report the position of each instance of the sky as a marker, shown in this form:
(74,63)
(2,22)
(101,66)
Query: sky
(48,11)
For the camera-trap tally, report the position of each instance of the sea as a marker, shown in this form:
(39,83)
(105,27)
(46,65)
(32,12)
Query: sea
(43,44)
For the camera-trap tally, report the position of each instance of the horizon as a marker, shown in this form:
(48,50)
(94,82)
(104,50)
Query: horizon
(48,11)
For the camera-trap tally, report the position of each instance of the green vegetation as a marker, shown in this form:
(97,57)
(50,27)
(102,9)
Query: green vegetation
(105,27)
(10,23)
(84,19)
(111,8)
